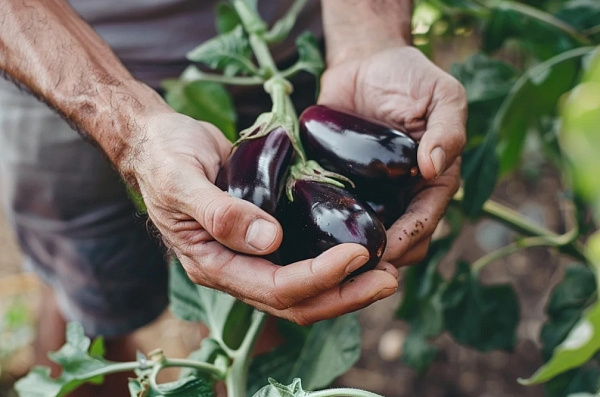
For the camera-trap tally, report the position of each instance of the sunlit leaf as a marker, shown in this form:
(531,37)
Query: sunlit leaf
(580,345)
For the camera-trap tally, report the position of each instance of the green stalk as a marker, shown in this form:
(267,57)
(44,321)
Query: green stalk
(277,85)
(566,243)
(113,368)
(237,376)
(343,392)
(546,18)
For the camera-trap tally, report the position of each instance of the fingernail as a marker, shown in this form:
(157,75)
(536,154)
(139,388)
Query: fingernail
(261,234)
(356,263)
(384,293)
(438,158)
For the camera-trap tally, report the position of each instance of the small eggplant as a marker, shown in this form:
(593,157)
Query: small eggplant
(374,156)
(322,216)
(256,169)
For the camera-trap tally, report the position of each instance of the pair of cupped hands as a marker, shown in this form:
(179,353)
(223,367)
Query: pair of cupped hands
(219,239)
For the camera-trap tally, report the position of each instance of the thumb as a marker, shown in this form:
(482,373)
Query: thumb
(235,223)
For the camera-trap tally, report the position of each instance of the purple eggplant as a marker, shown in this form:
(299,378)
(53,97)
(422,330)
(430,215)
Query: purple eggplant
(322,216)
(256,169)
(374,156)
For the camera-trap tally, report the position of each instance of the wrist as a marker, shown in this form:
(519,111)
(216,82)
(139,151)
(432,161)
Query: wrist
(116,120)
(355,29)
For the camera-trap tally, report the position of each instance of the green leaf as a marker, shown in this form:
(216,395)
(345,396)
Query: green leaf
(310,58)
(565,307)
(581,14)
(276,389)
(479,171)
(581,380)
(579,136)
(78,365)
(487,81)
(317,354)
(417,353)
(193,302)
(229,52)
(484,78)
(482,317)
(582,342)
(537,31)
(282,28)
(203,100)
(186,387)
(227,18)
(534,95)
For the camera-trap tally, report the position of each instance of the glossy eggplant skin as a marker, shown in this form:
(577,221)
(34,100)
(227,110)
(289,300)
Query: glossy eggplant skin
(256,169)
(322,216)
(374,156)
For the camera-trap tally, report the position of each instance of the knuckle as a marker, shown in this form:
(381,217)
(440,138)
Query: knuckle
(220,217)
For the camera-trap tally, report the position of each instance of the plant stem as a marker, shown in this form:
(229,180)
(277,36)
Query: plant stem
(343,392)
(184,363)
(237,376)
(277,85)
(113,368)
(545,17)
(566,243)
(192,73)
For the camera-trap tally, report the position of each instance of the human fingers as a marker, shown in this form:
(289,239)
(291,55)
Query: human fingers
(445,135)
(409,236)
(276,288)
(349,296)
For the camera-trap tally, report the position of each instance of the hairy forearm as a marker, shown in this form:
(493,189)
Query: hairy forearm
(47,48)
(355,27)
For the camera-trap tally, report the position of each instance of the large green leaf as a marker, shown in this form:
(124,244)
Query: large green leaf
(317,354)
(579,136)
(276,389)
(479,171)
(228,52)
(534,95)
(580,345)
(538,32)
(193,302)
(417,353)
(484,317)
(581,14)
(77,363)
(187,387)
(203,100)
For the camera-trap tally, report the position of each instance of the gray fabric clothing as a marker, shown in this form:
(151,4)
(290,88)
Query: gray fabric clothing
(74,222)
(69,208)
(151,37)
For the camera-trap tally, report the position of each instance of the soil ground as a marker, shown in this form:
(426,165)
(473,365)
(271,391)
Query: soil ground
(456,371)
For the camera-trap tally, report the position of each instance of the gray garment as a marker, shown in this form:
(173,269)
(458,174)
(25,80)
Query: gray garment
(151,37)
(74,222)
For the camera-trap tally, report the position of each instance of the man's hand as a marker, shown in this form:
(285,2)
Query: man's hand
(401,87)
(216,236)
